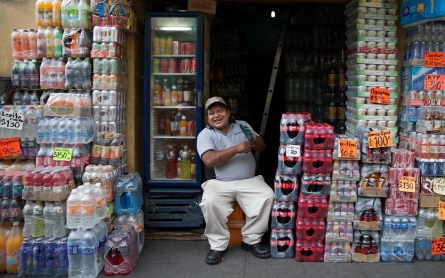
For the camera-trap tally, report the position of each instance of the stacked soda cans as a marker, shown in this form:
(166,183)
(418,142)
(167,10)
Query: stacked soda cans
(286,185)
(372,65)
(343,194)
(109,96)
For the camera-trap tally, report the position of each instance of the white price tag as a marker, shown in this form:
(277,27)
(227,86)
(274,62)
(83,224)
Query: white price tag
(12,120)
(293,150)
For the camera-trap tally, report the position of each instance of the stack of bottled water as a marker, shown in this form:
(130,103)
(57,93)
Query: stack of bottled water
(397,243)
(428,228)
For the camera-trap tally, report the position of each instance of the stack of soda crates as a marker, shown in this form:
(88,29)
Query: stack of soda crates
(343,195)
(314,164)
(44,251)
(282,240)
(126,241)
(373,185)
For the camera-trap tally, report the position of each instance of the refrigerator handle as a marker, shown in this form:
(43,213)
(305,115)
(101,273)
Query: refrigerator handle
(200,99)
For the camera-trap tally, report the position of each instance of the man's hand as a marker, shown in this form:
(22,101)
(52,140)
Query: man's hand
(244,147)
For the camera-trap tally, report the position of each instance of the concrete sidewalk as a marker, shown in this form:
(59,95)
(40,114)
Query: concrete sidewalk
(171,258)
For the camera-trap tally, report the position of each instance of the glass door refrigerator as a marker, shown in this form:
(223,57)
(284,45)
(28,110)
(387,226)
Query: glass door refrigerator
(173,98)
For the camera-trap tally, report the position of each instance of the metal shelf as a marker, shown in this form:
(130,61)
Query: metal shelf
(174,56)
(173,137)
(174,74)
(175,107)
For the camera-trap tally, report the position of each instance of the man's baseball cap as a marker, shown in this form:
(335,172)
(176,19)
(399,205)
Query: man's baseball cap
(214,100)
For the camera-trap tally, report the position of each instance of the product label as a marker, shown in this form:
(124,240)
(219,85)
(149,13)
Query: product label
(95,152)
(115,152)
(187,96)
(341,113)
(105,152)
(193,168)
(5,212)
(332,80)
(332,113)
(160,156)
(87,210)
(434,149)
(100,202)
(14,258)
(73,250)
(14,212)
(88,250)
(57,42)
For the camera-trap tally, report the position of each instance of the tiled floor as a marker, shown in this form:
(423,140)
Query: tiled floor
(169,258)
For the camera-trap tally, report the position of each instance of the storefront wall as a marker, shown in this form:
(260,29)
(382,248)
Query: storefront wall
(20,14)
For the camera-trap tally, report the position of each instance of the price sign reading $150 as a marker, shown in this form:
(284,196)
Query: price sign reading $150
(12,120)
(379,139)
(62,154)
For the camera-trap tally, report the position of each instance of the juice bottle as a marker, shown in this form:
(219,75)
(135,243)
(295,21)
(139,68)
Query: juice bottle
(434,147)
(424,150)
(39,12)
(49,35)
(174,94)
(437,116)
(167,94)
(169,45)
(32,39)
(170,166)
(3,239)
(16,45)
(162,44)
(13,244)
(442,146)
(155,45)
(24,44)
(178,168)
(156,93)
(57,13)
(185,163)
(47,13)
(429,120)
(183,126)
(168,127)
(193,166)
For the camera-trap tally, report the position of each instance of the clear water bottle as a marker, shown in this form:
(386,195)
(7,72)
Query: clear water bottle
(39,226)
(75,254)
(58,215)
(71,134)
(73,217)
(87,210)
(63,131)
(101,205)
(48,219)
(89,254)
(86,74)
(29,220)
(70,74)
(31,122)
(100,231)
(159,159)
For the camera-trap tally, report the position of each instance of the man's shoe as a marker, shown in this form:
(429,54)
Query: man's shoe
(257,249)
(215,257)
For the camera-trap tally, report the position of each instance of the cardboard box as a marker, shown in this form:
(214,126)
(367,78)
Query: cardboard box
(340,218)
(206,6)
(371,258)
(413,77)
(430,200)
(66,111)
(338,176)
(367,226)
(334,197)
(338,259)
(415,12)
(336,238)
(372,192)
(46,196)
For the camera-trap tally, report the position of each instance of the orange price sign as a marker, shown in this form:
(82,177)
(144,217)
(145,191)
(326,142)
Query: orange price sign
(438,246)
(434,59)
(441,213)
(407,184)
(347,148)
(379,139)
(379,95)
(434,82)
(9,147)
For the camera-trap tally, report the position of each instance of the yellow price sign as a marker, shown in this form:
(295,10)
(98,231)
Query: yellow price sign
(379,139)
(407,184)
(347,148)
(62,154)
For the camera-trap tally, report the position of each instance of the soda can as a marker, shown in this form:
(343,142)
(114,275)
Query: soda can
(97,34)
(156,65)
(190,131)
(389,206)
(112,127)
(193,65)
(175,48)
(105,79)
(26,255)
(112,113)
(192,48)
(119,113)
(112,50)
(114,34)
(96,112)
(97,125)
(182,48)
(105,66)
(187,49)
(112,81)
(114,67)
(441,167)
(103,127)
(172,67)
(185,65)
(97,96)
(96,80)
(164,66)
(97,65)
(112,97)
(38,252)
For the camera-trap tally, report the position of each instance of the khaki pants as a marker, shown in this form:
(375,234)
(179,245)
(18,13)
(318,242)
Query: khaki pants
(255,198)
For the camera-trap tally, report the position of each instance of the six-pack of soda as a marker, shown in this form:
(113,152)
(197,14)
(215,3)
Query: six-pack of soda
(374,180)
(283,215)
(109,82)
(76,43)
(285,187)
(44,257)
(366,247)
(120,13)
(109,66)
(431,167)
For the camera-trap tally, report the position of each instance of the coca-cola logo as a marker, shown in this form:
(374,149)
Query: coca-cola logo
(201,6)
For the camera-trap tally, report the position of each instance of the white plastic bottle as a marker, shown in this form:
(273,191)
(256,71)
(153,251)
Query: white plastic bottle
(101,204)
(48,218)
(58,214)
(73,217)
(87,210)
(89,253)
(29,219)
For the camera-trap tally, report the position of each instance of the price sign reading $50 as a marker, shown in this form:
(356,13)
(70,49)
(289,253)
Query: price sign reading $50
(347,148)
(379,139)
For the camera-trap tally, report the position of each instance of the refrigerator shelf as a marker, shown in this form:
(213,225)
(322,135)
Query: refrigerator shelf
(175,107)
(174,74)
(173,137)
(174,56)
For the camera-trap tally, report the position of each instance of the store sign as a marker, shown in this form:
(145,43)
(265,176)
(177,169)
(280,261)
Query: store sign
(62,154)
(439,186)
(293,150)
(347,148)
(12,120)
(206,6)
(438,246)
(434,59)
(441,212)
(9,147)
(407,184)
(434,82)
(379,139)
(379,95)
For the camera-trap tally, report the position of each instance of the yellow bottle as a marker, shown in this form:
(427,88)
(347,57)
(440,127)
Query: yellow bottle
(47,13)
(185,164)
(156,93)
(39,12)
(169,45)
(155,45)
(183,126)
(13,244)
(162,44)
(3,238)
(57,13)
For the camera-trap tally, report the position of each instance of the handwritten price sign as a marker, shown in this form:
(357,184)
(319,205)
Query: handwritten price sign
(441,213)
(379,95)
(379,139)
(407,184)
(439,186)
(12,120)
(434,59)
(438,246)
(293,150)
(63,154)
(434,82)
(347,148)
(9,147)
